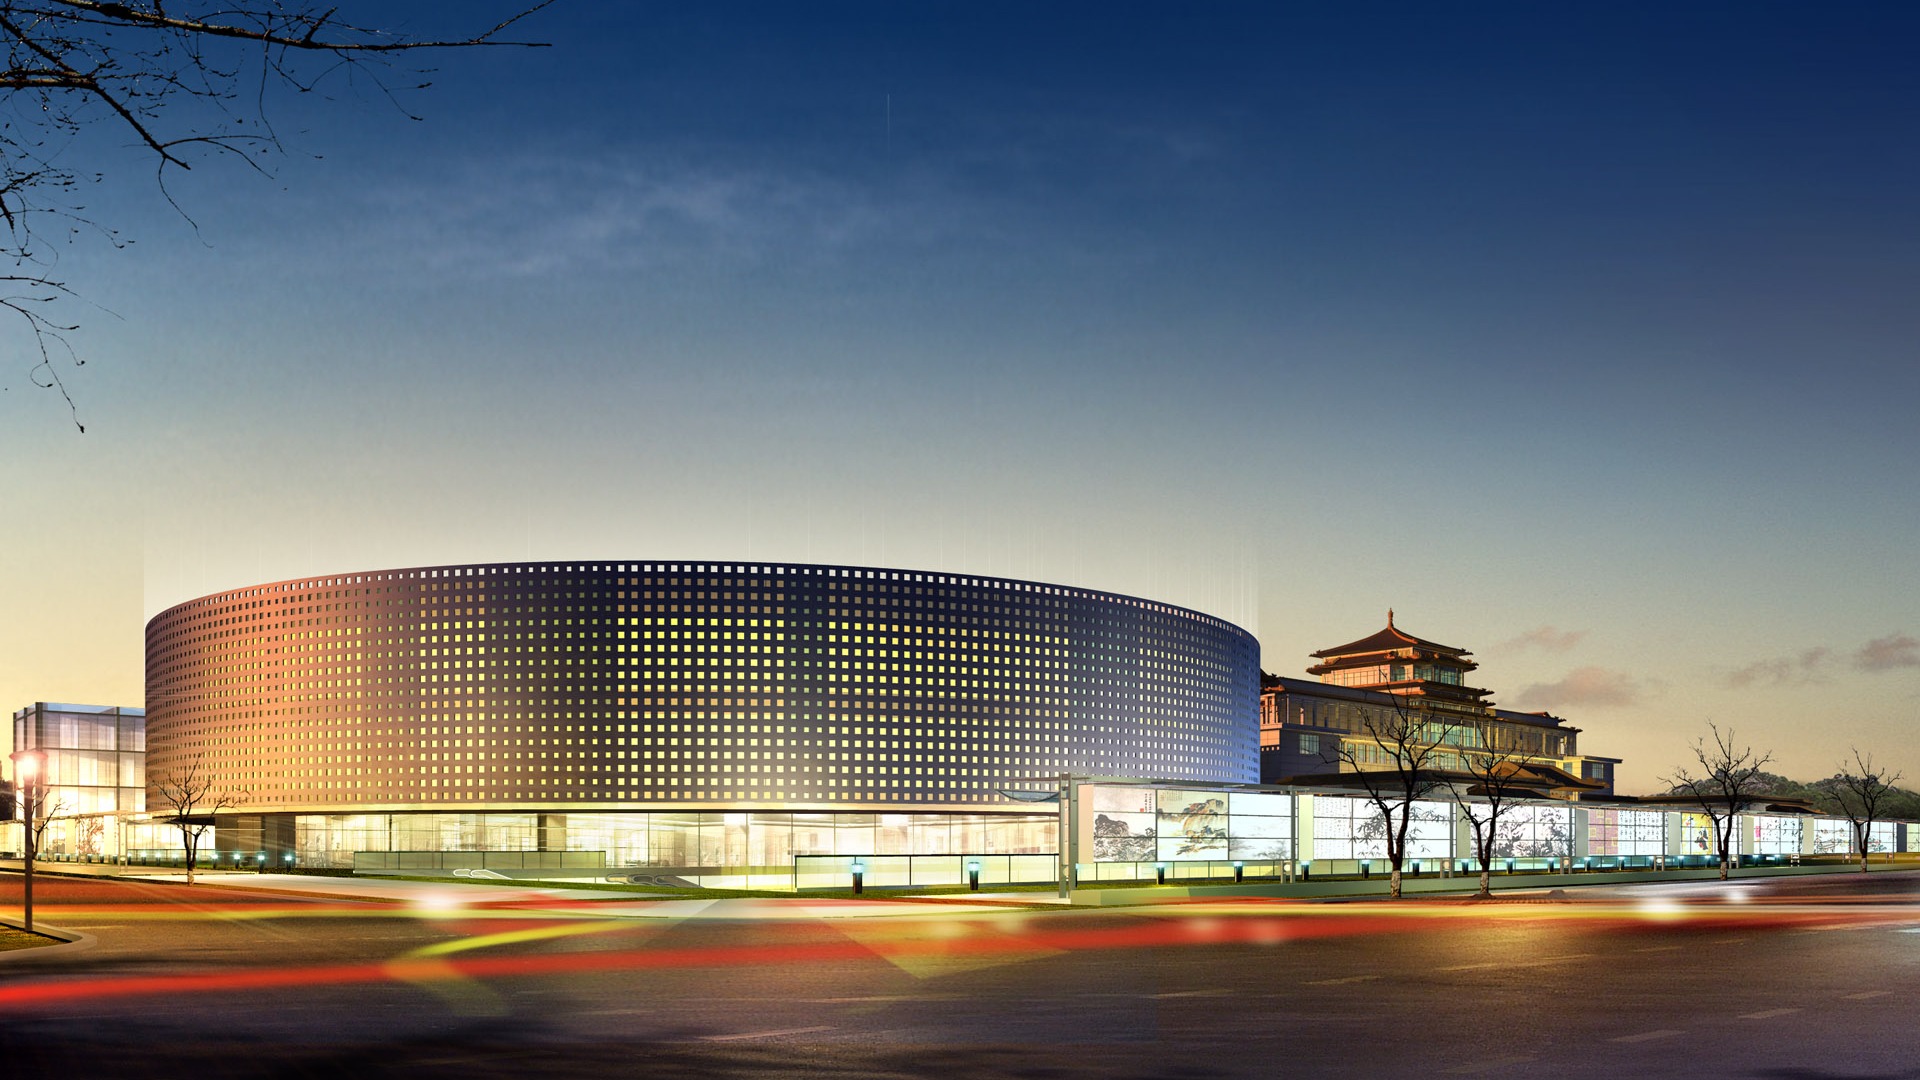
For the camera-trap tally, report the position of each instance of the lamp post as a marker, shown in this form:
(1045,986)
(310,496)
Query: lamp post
(26,769)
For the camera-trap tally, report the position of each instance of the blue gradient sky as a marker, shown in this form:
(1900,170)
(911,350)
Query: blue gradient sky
(1581,336)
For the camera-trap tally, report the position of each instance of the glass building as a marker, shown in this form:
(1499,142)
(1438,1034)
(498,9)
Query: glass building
(682,714)
(94,780)
(95,756)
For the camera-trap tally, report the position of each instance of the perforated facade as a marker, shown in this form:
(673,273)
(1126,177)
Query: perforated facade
(646,685)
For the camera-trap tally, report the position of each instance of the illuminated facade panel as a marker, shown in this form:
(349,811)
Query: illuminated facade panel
(700,686)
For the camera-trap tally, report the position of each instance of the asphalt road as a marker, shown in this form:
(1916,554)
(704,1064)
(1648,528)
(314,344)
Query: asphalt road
(1789,978)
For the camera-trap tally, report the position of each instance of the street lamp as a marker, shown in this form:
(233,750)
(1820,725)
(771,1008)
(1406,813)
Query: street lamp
(27,769)
(973,874)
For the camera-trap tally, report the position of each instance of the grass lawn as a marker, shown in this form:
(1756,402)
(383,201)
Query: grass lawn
(11,938)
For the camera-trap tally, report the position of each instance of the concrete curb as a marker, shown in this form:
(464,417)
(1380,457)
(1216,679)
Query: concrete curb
(71,941)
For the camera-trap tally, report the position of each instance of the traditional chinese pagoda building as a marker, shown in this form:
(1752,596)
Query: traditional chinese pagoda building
(1364,685)
(1393,661)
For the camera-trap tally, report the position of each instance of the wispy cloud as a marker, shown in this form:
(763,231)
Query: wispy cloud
(1783,670)
(1548,638)
(1888,653)
(1586,687)
(548,215)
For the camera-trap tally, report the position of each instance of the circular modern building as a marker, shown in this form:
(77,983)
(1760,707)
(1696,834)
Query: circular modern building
(521,706)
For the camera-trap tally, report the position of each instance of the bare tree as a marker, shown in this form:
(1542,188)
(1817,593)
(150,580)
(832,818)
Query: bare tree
(1396,759)
(194,795)
(44,811)
(1726,778)
(1863,792)
(179,80)
(1498,781)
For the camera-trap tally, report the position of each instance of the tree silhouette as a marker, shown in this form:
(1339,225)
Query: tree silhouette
(181,81)
(1396,764)
(1864,791)
(1726,778)
(1498,781)
(194,795)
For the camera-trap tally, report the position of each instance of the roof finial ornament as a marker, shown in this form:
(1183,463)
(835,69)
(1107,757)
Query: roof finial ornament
(1389,618)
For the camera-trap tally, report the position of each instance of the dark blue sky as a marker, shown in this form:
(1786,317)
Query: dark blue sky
(1581,335)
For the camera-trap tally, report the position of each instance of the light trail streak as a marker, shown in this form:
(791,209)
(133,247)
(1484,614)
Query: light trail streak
(1178,926)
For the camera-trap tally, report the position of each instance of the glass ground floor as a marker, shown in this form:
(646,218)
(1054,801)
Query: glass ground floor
(1121,830)
(1142,831)
(749,849)
(98,838)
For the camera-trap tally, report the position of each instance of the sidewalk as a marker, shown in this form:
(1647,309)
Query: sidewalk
(456,896)
(479,893)
(450,896)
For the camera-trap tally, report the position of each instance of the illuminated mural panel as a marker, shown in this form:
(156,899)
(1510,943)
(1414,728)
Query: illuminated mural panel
(1351,828)
(1126,823)
(1630,833)
(1144,824)
(1192,825)
(1534,832)
(1697,835)
(1831,837)
(1260,826)
(1881,837)
(1775,835)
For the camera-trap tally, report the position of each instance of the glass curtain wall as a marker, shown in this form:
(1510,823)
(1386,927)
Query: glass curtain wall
(746,842)
(95,758)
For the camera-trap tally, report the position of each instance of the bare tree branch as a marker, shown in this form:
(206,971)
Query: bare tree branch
(280,26)
(175,81)
(1726,779)
(1863,792)
(194,795)
(1396,763)
(44,811)
(1498,781)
